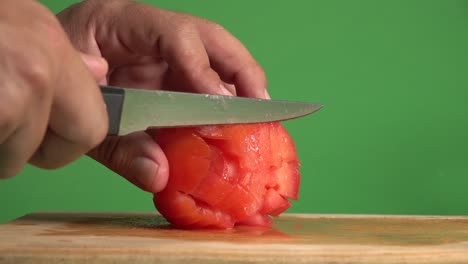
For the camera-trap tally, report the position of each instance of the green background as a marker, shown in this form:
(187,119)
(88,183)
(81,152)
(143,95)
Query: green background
(392,138)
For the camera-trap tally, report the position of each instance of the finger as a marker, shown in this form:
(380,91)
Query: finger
(232,61)
(137,158)
(147,73)
(50,89)
(78,118)
(186,56)
(21,131)
(149,31)
(96,65)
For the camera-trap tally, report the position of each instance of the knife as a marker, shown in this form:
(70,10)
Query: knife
(131,110)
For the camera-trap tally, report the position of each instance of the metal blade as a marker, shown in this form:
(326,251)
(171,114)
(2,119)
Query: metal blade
(148,108)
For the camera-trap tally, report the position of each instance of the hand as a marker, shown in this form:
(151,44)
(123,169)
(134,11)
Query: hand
(51,110)
(151,48)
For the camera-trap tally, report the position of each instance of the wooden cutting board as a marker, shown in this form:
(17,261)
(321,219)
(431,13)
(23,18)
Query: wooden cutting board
(146,238)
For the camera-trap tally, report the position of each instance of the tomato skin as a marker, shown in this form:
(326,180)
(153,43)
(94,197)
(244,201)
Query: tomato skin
(222,176)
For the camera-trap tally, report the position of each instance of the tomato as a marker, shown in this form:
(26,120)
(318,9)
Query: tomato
(222,176)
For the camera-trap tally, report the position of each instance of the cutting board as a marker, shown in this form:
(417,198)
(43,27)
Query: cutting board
(77,237)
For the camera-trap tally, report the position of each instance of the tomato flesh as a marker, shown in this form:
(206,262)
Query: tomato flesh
(222,176)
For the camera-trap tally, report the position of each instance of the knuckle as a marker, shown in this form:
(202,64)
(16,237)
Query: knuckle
(256,70)
(93,4)
(35,67)
(37,74)
(198,73)
(98,8)
(33,70)
(184,25)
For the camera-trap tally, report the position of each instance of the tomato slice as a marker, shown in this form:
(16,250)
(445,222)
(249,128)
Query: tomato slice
(189,168)
(222,176)
(274,203)
(184,211)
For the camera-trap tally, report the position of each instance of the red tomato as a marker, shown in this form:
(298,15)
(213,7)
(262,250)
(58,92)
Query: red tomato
(221,176)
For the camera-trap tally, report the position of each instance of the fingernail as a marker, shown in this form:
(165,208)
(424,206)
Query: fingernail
(144,170)
(224,90)
(267,95)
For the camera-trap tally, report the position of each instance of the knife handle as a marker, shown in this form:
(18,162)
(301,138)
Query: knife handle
(114,98)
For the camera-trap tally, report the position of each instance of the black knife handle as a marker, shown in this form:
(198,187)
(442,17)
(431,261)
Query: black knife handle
(114,98)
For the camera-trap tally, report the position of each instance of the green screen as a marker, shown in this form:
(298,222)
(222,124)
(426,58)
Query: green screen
(391,139)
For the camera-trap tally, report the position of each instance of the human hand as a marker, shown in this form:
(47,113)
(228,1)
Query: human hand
(51,110)
(152,48)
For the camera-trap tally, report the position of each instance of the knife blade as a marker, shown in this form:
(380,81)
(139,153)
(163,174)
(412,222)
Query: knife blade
(131,110)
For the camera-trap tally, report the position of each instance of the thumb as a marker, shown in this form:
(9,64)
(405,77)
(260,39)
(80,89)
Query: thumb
(137,158)
(96,65)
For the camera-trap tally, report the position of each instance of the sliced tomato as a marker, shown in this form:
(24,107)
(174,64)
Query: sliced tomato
(286,163)
(274,204)
(190,167)
(184,211)
(221,176)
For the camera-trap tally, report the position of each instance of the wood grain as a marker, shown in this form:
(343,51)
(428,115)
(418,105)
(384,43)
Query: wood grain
(78,237)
